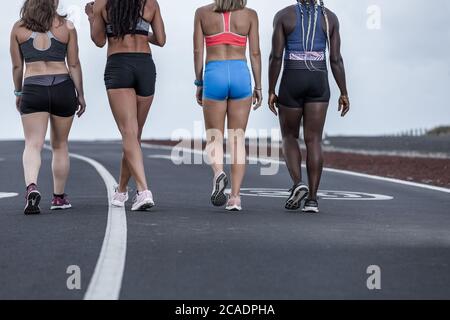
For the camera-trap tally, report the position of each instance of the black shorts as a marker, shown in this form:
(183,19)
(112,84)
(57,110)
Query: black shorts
(57,99)
(303,86)
(131,71)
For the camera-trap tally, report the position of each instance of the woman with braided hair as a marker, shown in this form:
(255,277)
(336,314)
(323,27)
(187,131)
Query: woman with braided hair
(303,31)
(130,77)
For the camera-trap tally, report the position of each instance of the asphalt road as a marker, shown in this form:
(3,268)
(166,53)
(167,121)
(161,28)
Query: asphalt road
(186,249)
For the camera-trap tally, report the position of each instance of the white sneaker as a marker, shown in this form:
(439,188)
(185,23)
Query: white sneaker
(143,201)
(234,204)
(218,197)
(119,198)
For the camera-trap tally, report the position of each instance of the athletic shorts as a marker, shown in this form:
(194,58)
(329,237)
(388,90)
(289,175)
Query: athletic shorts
(303,86)
(53,94)
(227,79)
(131,71)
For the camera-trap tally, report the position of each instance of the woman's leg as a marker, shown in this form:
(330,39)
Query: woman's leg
(35,128)
(215,113)
(238,113)
(143,108)
(124,108)
(314,116)
(290,120)
(60,128)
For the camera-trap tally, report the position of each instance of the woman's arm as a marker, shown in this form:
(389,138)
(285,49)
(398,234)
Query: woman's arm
(276,59)
(17,63)
(255,58)
(94,12)
(74,65)
(199,52)
(337,62)
(158,36)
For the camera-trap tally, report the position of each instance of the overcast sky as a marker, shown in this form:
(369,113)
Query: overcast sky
(398,75)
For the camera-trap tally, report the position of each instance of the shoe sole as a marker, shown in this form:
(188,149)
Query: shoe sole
(234,208)
(147,205)
(64,207)
(294,201)
(310,210)
(118,204)
(33,200)
(218,198)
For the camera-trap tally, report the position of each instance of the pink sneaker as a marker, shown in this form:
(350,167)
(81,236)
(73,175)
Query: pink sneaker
(143,201)
(119,198)
(33,198)
(60,203)
(234,203)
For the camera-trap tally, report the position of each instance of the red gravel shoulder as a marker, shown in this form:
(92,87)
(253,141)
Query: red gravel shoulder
(422,170)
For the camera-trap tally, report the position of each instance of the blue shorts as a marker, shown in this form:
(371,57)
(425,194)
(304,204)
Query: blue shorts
(227,79)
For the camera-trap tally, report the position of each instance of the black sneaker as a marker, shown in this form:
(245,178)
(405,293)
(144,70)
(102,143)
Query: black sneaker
(218,197)
(33,198)
(311,206)
(298,193)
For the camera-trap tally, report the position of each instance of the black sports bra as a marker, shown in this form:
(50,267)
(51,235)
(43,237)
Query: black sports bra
(56,52)
(142,28)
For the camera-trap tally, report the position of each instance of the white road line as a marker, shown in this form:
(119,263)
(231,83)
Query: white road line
(106,281)
(346,172)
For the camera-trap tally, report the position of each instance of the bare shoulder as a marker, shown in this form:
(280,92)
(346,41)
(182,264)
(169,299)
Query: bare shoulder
(17,25)
(152,5)
(331,16)
(205,9)
(251,12)
(286,13)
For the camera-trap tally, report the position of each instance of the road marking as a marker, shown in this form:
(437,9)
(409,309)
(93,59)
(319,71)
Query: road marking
(323,194)
(346,172)
(8,195)
(106,281)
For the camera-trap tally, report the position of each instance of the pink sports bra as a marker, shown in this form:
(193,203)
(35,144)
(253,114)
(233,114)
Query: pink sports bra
(226,37)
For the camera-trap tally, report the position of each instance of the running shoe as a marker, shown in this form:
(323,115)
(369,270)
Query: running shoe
(60,203)
(218,197)
(298,193)
(234,203)
(33,198)
(143,201)
(119,198)
(311,206)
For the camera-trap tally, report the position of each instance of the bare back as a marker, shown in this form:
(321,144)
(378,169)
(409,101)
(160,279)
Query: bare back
(61,30)
(213,23)
(131,43)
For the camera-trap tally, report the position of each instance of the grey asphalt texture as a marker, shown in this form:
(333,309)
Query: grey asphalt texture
(186,249)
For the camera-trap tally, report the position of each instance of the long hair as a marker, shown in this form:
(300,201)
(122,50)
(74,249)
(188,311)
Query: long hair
(123,15)
(312,23)
(229,5)
(38,15)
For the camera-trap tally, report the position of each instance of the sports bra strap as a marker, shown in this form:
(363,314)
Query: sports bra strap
(227,21)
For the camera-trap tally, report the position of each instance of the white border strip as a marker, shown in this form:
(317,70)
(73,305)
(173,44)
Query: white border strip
(106,281)
(346,172)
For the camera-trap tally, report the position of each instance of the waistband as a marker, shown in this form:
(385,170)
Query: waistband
(243,61)
(130,55)
(46,80)
(305,65)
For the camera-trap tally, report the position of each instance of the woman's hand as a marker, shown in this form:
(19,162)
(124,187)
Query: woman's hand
(89,9)
(18,100)
(199,96)
(344,105)
(81,106)
(257,98)
(273,99)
